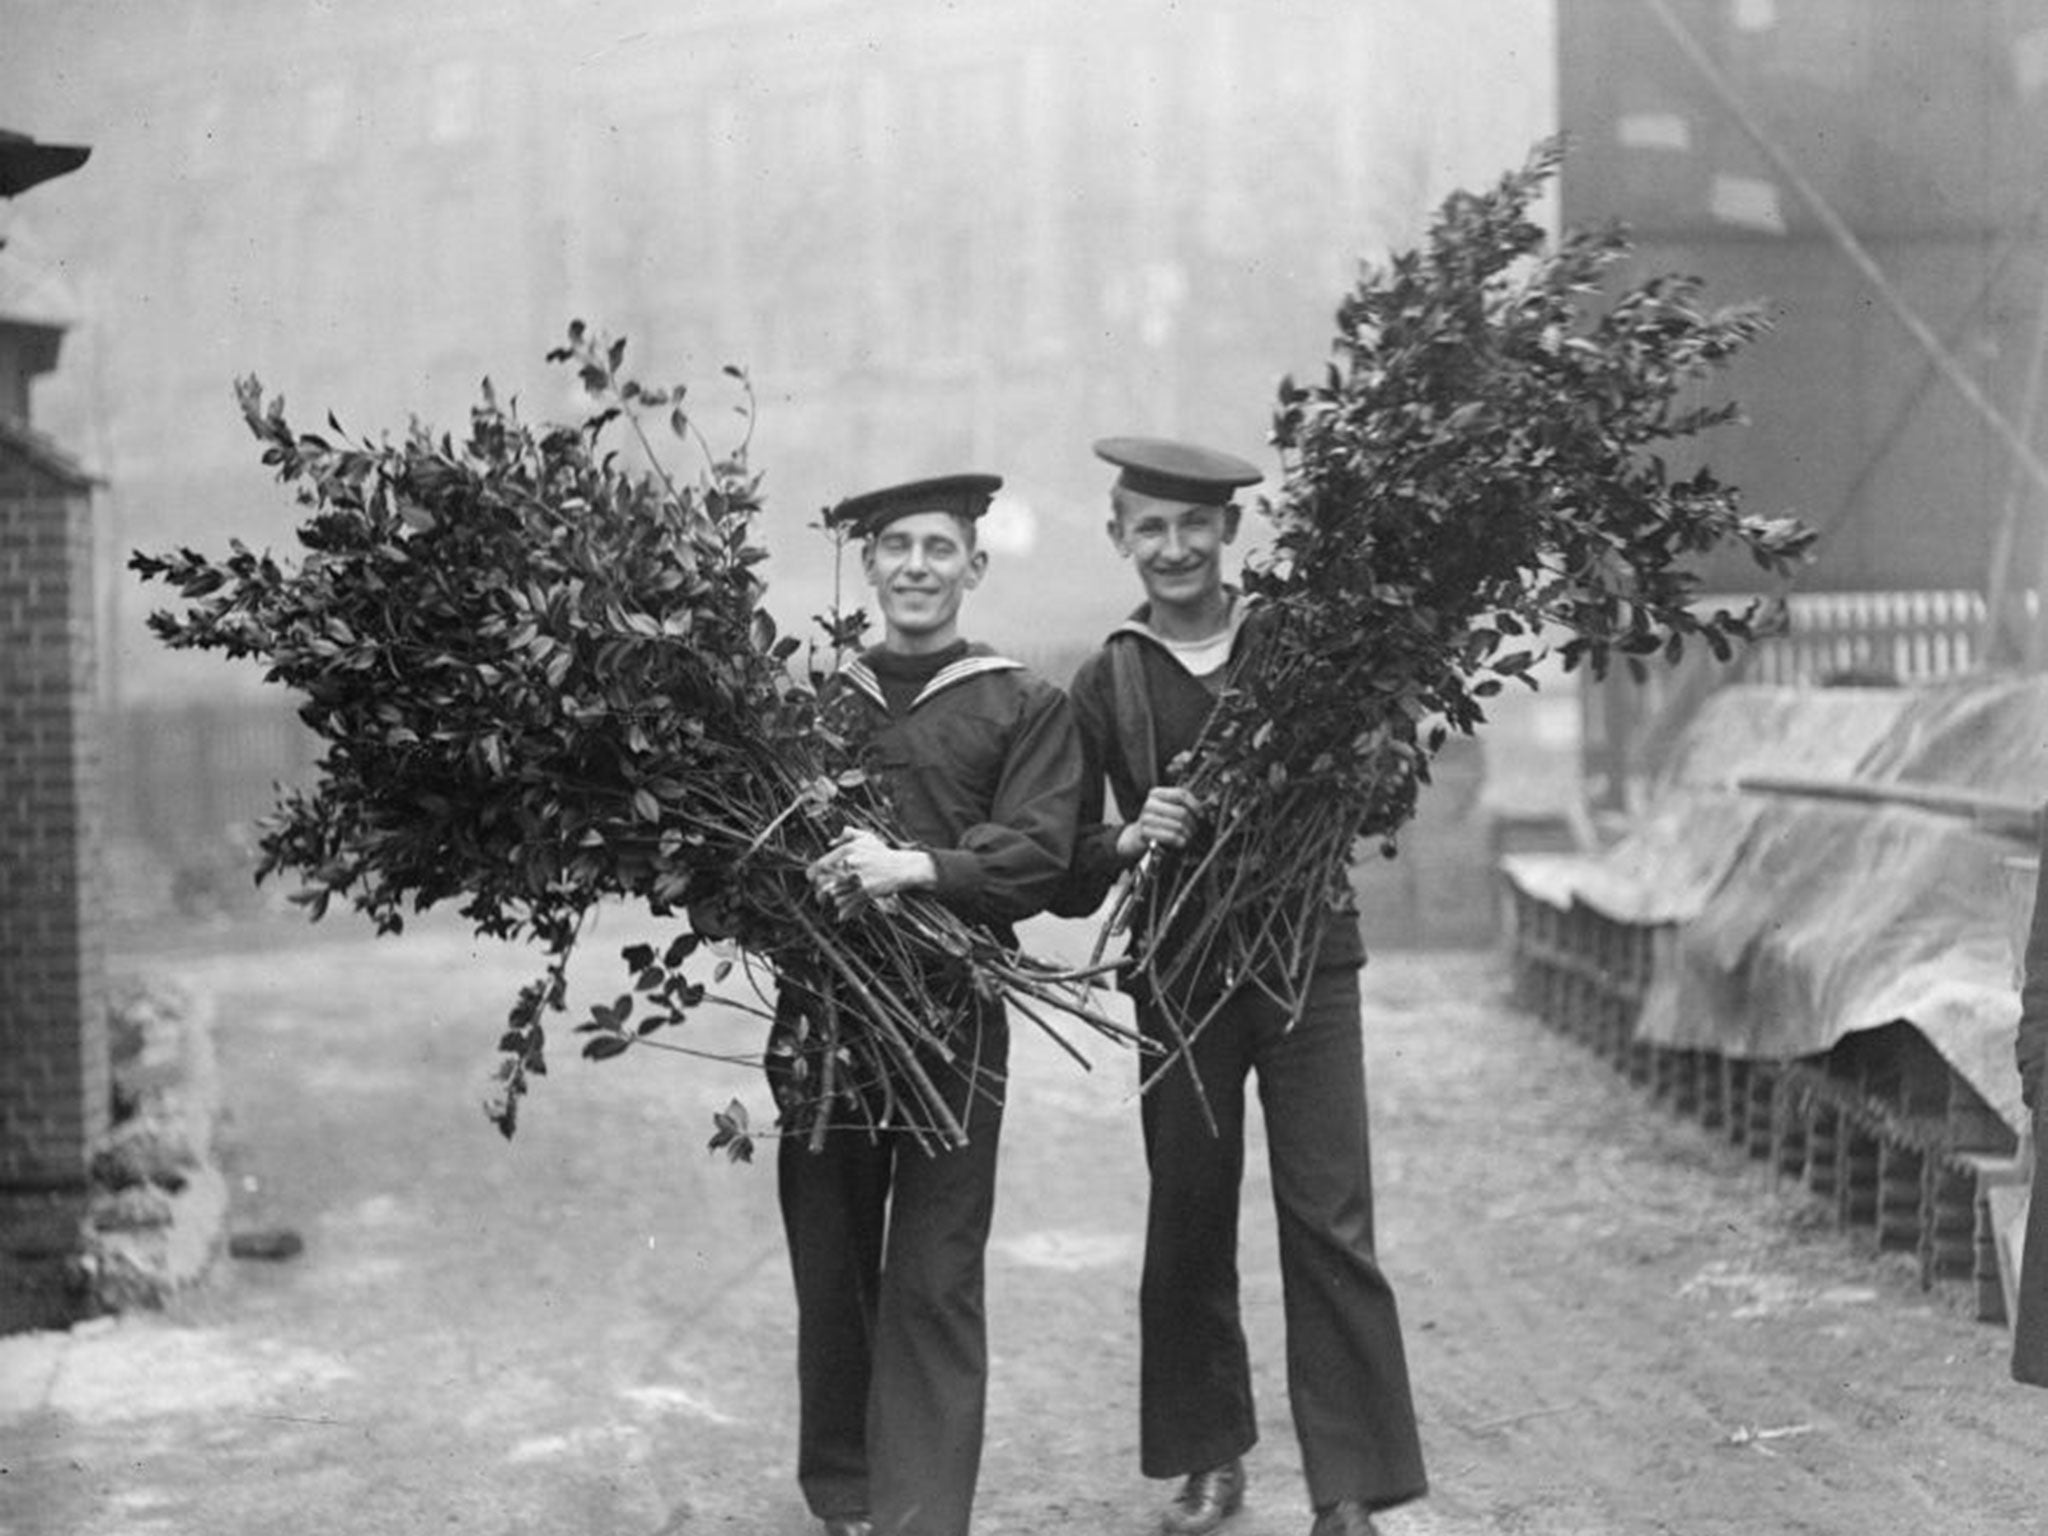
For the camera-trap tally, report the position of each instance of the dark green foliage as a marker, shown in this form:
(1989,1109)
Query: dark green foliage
(1480,473)
(526,662)
(544,679)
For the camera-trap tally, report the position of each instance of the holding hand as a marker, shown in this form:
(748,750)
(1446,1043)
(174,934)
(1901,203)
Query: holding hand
(1167,820)
(860,870)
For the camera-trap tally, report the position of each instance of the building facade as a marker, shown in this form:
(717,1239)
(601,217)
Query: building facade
(1738,139)
(56,1091)
(935,235)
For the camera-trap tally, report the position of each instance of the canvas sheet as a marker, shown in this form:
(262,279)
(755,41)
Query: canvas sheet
(1680,846)
(1799,920)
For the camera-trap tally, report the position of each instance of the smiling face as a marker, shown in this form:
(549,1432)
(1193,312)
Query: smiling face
(921,565)
(1177,547)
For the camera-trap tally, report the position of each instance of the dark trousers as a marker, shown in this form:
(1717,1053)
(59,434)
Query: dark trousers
(1347,1375)
(886,1243)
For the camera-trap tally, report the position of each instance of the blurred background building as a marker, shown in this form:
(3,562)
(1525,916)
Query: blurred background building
(1921,130)
(1871,171)
(946,235)
(936,235)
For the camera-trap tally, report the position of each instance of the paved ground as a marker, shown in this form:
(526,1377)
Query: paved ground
(1617,1325)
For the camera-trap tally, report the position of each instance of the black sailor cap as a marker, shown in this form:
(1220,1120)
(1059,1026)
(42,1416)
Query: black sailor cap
(965,496)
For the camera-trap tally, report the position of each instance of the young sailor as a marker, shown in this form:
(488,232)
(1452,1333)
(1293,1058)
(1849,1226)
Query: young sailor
(886,1239)
(1141,701)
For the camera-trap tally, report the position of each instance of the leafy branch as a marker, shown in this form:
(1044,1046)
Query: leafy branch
(1482,472)
(545,679)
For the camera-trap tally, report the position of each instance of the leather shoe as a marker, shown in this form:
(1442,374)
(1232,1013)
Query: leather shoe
(848,1525)
(1205,1501)
(1346,1517)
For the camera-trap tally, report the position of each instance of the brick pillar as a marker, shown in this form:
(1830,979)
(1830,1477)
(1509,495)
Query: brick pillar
(54,1087)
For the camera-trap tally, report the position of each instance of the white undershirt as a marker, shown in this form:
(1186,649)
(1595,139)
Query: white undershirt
(1201,657)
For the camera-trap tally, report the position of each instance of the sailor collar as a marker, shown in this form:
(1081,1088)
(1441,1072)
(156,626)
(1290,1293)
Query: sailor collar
(862,676)
(1140,622)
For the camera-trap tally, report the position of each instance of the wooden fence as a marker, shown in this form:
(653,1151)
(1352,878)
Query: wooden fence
(190,773)
(1830,639)
(186,784)
(1898,637)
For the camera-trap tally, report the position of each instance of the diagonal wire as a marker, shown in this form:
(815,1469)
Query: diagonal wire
(1851,248)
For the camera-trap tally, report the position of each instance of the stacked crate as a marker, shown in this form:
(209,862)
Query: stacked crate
(1881,1127)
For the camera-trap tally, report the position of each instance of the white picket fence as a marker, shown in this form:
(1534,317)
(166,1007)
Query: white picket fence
(1902,637)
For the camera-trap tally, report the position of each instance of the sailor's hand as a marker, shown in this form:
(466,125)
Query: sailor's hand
(860,870)
(1167,820)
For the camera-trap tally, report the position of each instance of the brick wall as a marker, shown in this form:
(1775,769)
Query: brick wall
(54,1097)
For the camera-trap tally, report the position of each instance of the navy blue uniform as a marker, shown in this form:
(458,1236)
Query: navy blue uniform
(886,1241)
(1347,1375)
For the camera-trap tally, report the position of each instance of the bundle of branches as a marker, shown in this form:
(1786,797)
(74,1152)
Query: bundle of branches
(544,679)
(1480,475)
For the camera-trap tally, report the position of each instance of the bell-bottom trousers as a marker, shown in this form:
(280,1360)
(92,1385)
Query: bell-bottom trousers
(1347,1373)
(886,1245)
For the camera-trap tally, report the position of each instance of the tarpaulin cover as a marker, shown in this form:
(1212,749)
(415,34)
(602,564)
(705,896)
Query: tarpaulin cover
(1694,824)
(1803,920)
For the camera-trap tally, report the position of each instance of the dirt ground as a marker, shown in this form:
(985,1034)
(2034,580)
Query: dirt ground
(1617,1324)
